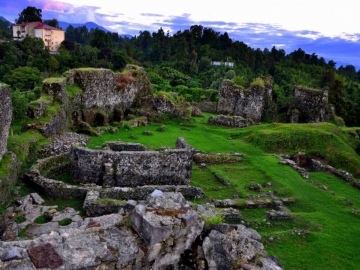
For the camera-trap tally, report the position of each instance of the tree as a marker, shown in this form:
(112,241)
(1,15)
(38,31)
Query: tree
(30,14)
(53,64)
(23,78)
(20,106)
(53,23)
(100,39)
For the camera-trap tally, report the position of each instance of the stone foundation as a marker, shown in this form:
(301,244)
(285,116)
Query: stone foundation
(130,168)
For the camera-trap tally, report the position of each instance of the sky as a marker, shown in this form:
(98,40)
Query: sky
(327,28)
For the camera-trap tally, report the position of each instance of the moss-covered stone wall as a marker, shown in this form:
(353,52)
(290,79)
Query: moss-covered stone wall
(5,117)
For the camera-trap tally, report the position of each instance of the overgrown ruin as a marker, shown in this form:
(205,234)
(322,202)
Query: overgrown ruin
(310,105)
(5,119)
(247,103)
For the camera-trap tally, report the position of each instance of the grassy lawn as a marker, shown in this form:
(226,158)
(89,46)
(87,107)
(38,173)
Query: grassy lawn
(326,214)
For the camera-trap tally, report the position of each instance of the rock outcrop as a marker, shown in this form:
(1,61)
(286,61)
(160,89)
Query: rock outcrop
(5,119)
(249,103)
(310,105)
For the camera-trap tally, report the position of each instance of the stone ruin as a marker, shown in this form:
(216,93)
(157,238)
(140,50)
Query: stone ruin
(118,172)
(310,105)
(5,119)
(230,121)
(249,104)
(88,97)
(163,232)
(130,165)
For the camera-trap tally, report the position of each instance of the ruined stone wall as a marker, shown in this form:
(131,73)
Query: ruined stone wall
(180,108)
(5,117)
(58,115)
(230,121)
(309,105)
(105,91)
(130,168)
(123,146)
(249,103)
(208,106)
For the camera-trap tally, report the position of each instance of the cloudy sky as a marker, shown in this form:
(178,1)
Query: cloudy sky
(327,28)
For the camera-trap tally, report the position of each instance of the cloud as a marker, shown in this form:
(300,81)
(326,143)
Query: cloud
(151,15)
(253,22)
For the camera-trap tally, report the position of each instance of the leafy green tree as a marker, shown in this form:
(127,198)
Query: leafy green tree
(53,23)
(23,78)
(193,67)
(30,14)
(99,39)
(53,64)
(20,105)
(119,60)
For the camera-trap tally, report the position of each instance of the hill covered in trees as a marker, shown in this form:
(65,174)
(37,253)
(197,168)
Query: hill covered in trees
(185,60)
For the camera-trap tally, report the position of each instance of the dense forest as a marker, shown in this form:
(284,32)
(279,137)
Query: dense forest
(182,62)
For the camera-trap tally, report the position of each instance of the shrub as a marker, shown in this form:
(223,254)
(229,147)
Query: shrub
(230,75)
(214,219)
(162,128)
(258,82)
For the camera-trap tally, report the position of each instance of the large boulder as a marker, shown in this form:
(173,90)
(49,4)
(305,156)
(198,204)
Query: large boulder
(236,247)
(169,227)
(6,116)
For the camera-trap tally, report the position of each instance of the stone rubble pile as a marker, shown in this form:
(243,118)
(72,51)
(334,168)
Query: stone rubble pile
(163,232)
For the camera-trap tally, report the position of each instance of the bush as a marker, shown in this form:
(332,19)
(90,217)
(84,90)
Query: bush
(214,219)
(258,82)
(230,75)
(20,106)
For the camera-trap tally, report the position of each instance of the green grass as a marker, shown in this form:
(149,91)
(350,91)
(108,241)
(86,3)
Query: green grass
(6,160)
(41,219)
(20,219)
(24,143)
(329,218)
(77,204)
(65,222)
(64,177)
(107,201)
(319,139)
(54,80)
(72,90)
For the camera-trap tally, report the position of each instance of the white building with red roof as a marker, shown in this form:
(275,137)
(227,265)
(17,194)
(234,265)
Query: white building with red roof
(51,36)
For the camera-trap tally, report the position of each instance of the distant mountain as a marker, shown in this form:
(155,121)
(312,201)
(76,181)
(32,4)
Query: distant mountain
(89,26)
(2,19)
